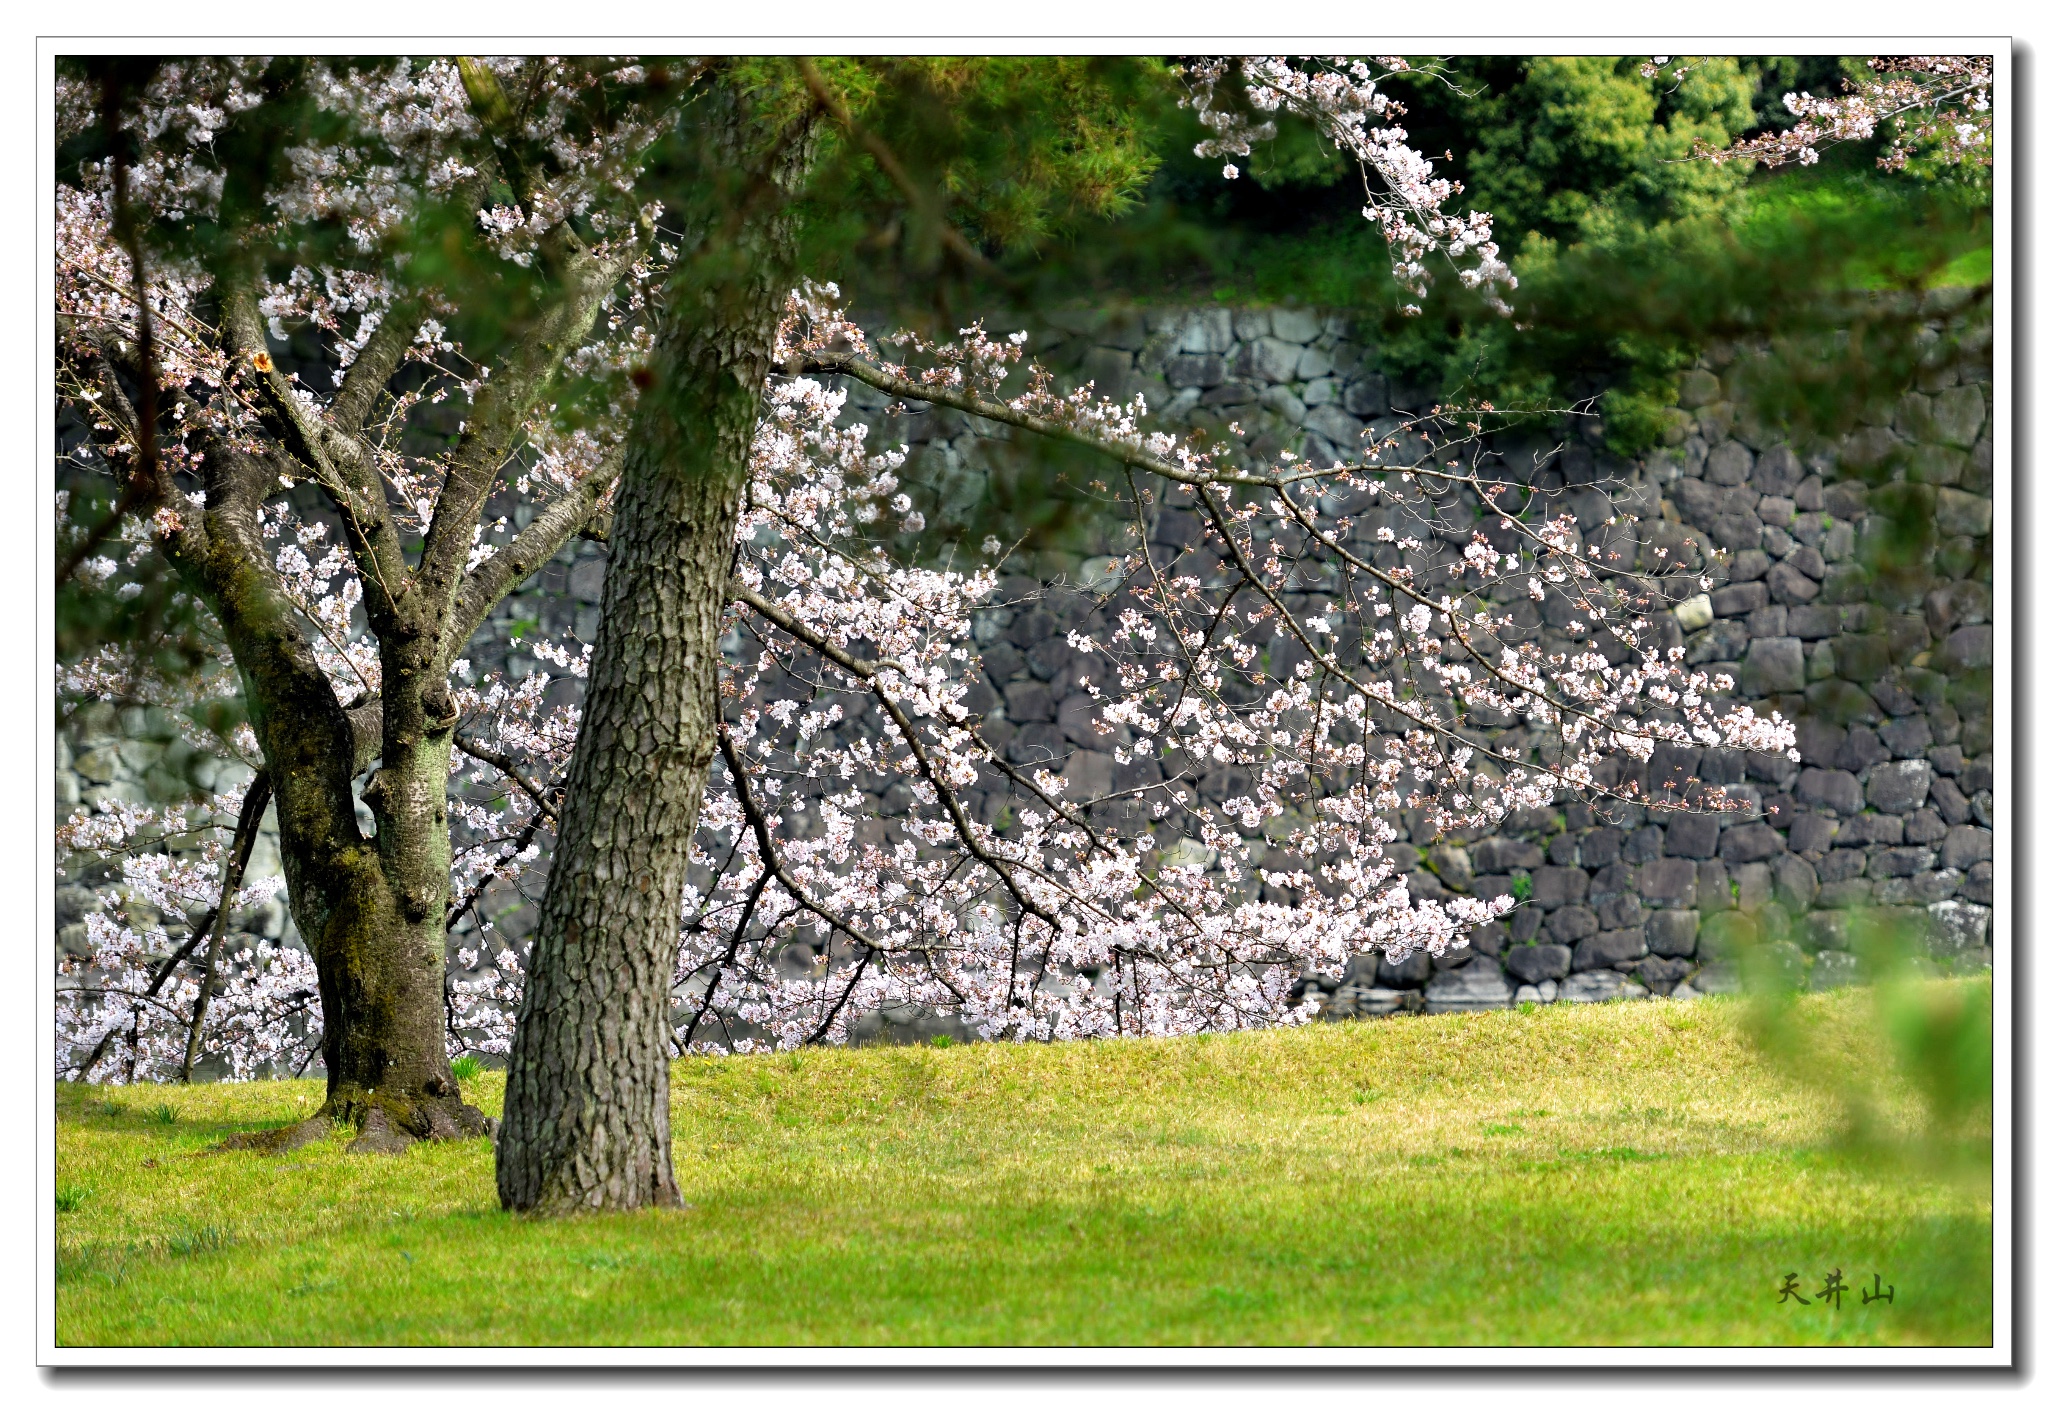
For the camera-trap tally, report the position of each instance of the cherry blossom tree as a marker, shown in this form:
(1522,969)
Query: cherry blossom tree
(641,375)
(1063,924)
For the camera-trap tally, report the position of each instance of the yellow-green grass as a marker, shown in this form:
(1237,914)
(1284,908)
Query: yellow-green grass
(1617,1174)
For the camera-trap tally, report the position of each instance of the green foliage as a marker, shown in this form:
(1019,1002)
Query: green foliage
(466,1068)
(1521,887)
(1914,1084)
(71,1197)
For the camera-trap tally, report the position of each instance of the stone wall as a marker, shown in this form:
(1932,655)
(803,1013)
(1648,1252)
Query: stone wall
(1885,662)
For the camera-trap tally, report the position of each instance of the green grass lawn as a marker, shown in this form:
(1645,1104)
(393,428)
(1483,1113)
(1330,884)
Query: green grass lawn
(1611,1174)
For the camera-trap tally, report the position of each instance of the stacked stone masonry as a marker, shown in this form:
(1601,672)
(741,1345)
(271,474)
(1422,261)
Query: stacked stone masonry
(1887,670)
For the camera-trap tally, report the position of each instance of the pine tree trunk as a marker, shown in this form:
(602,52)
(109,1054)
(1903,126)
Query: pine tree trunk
(586,1098)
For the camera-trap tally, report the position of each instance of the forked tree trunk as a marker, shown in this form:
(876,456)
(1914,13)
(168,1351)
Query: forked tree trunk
(587,1091)
(372,910)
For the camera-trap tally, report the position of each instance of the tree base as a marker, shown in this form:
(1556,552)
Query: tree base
(386,1124)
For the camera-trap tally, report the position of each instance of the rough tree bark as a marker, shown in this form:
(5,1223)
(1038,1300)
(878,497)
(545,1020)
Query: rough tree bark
(586,1098)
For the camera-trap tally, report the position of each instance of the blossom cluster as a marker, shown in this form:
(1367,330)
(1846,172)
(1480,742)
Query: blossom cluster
(1940,105)
(1405,197)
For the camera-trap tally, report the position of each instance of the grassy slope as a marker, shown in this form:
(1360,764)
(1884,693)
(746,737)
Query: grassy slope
(1570,1175)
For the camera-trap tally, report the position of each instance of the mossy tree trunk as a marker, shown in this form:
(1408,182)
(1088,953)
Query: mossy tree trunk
(372,906)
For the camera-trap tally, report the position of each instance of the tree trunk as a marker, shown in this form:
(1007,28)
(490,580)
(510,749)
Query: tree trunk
(586,1097)
(372,910)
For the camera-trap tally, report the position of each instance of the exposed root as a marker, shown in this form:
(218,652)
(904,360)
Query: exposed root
(282,1140)
(378,1138)
(388,1124)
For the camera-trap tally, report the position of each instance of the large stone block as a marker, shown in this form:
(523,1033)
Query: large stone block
(1751,842)
(1569,924)
(1609,948)
(1670,881)
(1732,600)
(1532,964)
(1966,846)
(1962,513)
(1692,835)
(1470,987)
(1830,789)
(1967,648)
(1958,415)
(1789,584)
(1597,986)
(1774,665)
(1901,785)
(1504,855)
(1860,657)
(1778,472)
(1553,887)
(1673,933)
(1336,426)
(1729,464)
(1269,359)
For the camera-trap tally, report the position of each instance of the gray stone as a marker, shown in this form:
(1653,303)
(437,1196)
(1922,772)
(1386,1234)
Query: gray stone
(1811,833)
(1834,969)
(1959,926)
(1828,930)
(1906,737)
(1597,986)
(1269,359)
(1672,932)
(1089,774)
(1924,826)
(1967,647)
(1570,923)
(1608,948)
(1778,472)
(1692,835)
(1723,977)
(1296,325)
(1774,665)
(1732,600)
(1668,881)
(1504,855)
(1790,585)
(1751,564)
(1335,425)
(1751,842)
(1532,964)
(1870,830)
(1477,985)
(1698,387)
(1661,976)
(1965,847)
(1729,464)
(1830,789)
(1962,513)
(1899,862)
(1199,371)
(1552,887)
(1366,397)
(1899,786)
(1410,973)
(1958,415)
(1795,881)
(1725,935)
(586,581)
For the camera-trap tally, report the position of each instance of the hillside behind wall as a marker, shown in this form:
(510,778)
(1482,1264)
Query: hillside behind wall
(1888,671)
